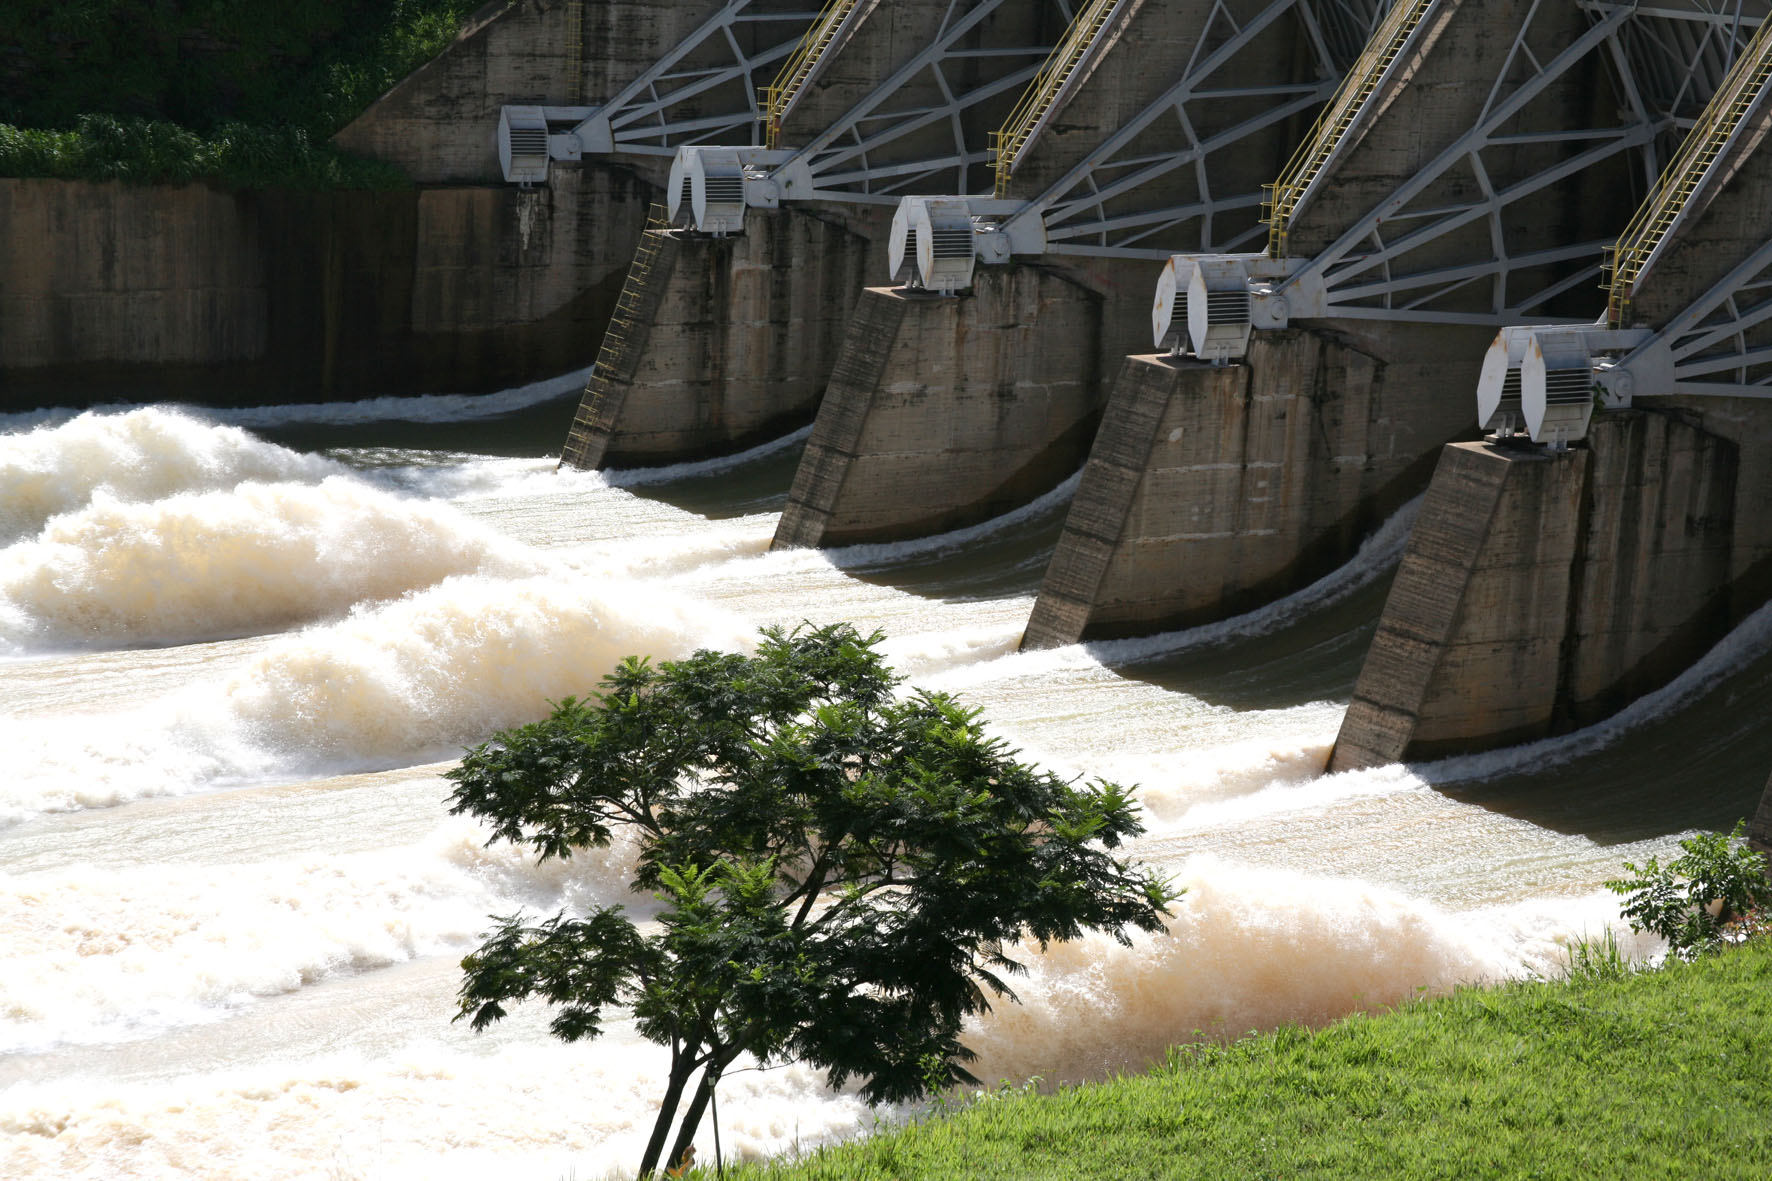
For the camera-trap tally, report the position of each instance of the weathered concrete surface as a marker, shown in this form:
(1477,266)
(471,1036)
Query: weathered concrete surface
(1539,593)
(943,412)
(735,345)
(111,290)
(1726,221)
(1212,491)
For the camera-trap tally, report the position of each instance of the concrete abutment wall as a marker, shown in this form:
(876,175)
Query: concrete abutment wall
(110,290)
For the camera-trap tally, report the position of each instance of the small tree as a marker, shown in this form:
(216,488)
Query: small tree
(841,870)
(1687,901)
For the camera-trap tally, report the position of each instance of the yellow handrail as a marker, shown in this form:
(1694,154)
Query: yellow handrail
(780,94)
(1385,46)
(1685,173)
(1007,142)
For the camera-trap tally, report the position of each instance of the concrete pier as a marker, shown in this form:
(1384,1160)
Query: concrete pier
(943,412)
(1541,592)
(735,342)
(1211,491)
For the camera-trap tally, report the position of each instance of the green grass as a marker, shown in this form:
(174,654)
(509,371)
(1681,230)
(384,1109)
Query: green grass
(1664,1073)
(245,92)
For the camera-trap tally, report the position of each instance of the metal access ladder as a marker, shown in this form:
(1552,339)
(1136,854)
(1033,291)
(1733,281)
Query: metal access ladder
(575,51)
(1685,174)
(1044,91)
(1319,147)
(779,95)
(616,357)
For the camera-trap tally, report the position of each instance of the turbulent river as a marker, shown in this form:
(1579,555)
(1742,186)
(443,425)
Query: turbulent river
(238,649)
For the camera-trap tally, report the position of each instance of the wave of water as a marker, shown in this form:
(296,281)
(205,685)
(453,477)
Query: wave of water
(1251,949)
(142,455)
(410,682)
(250,559)
(418,408)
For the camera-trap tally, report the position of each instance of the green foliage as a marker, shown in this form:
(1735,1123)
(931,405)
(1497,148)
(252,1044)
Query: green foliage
(245,91)
(1646,1074)
(1598,959)
(1688,901)
(842,871)
(138,151)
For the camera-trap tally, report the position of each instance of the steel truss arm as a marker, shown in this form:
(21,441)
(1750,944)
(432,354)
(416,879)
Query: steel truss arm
(1095,209)
(1720,345)
(1665,64)
(643,117)
(854,157)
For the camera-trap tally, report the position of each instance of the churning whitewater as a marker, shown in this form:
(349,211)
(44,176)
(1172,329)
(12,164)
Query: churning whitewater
(232,899)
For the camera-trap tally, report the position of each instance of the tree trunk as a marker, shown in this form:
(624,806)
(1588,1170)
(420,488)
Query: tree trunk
(667,1111)
(704,1090)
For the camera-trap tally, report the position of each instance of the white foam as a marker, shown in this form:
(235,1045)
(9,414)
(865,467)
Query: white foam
(1248,949)
(425,1110)
(405,408)
(139,456)
(253,558)
(100,955)
(409,682)
(636,477)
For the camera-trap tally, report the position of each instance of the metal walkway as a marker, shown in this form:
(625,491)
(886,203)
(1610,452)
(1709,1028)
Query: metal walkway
(1049,88)
(1685,175)
(1338,119)
(837,19)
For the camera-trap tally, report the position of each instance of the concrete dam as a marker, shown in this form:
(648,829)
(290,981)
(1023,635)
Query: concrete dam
(1263,271)
(1207,393)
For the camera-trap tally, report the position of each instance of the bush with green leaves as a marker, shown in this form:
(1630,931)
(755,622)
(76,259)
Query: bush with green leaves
(245,92)
(1687,901)
(843,872)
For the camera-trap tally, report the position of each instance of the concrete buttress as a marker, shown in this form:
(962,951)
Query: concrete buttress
(943,412)
(734,346)
(1540,592)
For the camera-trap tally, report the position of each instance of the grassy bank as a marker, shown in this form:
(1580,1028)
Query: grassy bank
(245,92)
(1665,1073)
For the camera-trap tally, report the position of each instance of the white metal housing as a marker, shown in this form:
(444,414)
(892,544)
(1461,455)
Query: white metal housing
(716,190)
(1498,386)
(1169,322)
(941,231)
(1557,386)
(1218,308)
(523,145)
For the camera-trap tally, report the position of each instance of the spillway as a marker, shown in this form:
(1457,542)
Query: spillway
(232,900)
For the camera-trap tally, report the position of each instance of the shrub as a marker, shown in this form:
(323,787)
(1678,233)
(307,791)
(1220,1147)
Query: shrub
(1688,900)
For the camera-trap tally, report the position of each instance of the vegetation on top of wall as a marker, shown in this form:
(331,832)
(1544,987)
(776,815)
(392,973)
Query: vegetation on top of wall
(243,91)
